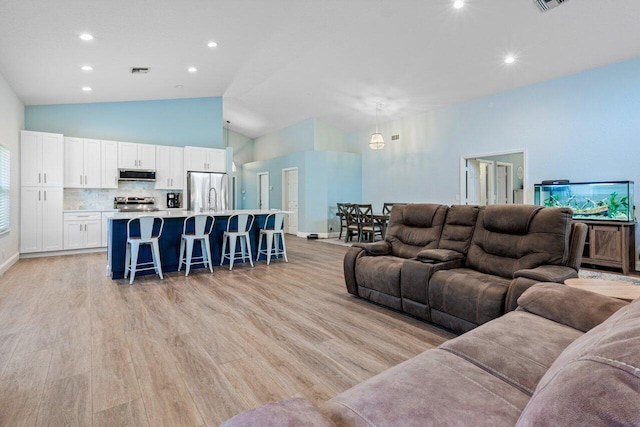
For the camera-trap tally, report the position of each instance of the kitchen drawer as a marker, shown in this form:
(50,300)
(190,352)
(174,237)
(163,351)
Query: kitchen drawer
(85,216)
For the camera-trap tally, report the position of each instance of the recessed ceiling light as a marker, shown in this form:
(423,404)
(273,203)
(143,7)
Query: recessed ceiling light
(192,69)
(212,44)
(458,4)
(86,37)
(86,89)
(510,59)
(179,86)
(87,68)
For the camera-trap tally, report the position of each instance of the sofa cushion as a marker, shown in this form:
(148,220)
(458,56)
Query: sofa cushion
(415,227)
(433,388)
(439,255)
(518,347)
(468,294)
(596,380)
(297,412)
(381,273)
(458,228)
(508,238)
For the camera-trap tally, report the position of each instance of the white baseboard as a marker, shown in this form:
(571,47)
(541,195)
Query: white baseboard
(59,253)
(8,263)
(320,235)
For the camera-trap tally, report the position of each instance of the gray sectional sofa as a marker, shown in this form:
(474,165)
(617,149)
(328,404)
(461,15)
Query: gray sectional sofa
(462,266)
(565,357)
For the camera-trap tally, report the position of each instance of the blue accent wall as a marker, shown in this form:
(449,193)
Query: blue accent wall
(179,122)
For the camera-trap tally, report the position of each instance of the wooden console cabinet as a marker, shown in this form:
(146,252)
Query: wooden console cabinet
(610,244)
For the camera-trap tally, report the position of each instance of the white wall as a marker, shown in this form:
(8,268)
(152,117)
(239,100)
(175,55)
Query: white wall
(11,122)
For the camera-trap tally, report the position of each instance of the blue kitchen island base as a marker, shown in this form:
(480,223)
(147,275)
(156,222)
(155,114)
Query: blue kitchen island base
(170,239)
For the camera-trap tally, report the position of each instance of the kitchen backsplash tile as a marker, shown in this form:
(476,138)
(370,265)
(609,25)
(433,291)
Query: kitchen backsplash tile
(78,198)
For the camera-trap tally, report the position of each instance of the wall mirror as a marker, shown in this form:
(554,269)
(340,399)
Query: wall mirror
(493,178)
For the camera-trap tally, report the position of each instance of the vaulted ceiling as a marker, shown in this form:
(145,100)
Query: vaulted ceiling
(281,61)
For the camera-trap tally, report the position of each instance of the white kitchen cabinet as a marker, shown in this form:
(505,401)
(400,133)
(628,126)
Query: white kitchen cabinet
(109,164)
(41,159)
(136,156)
(82,230)
(169,168)
(205,159)
(82,159)
(41,219)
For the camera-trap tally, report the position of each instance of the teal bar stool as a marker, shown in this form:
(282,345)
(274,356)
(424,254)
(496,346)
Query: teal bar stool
(273,232)
(238,227)
(199,228)
(146,225)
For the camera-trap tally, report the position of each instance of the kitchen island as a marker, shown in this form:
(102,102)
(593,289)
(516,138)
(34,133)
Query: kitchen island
(170,239)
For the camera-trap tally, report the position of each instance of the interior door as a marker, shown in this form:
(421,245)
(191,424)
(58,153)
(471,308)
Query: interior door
(501,184)
(291,200)
(473,182)
(263,191)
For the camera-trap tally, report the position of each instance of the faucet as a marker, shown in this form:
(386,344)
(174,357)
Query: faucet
(215,200)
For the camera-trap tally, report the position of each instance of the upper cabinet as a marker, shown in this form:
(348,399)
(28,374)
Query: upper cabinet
(109,166)
(169,168)
(136,156)
(205,159)
(41,159)
(82,159)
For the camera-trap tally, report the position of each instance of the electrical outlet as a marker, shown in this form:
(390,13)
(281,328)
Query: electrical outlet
(330,228)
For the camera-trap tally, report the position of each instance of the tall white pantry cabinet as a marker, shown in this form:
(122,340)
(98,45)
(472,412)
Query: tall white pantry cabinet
(41,195)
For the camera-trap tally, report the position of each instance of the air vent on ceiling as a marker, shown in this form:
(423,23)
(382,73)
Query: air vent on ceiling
(545,5)
(139,70)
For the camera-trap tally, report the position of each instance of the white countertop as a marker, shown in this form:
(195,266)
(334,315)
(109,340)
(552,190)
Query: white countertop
(185,213)
(89,210)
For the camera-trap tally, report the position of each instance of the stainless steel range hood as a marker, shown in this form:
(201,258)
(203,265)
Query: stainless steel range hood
(136,175)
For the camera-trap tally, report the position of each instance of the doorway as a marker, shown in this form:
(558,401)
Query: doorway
(263,191)
(491,178)
(504,183)
(290,199)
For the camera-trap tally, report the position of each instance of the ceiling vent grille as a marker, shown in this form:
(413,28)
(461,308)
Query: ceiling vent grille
(139,70)
(545,5)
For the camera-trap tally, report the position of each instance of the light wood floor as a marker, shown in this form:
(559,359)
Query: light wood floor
(77,348)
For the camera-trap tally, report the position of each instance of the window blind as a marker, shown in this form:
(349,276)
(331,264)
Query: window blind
(5,190)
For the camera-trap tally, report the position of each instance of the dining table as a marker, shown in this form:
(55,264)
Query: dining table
(380,218)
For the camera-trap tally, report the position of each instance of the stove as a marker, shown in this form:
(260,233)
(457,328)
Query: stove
(135,204)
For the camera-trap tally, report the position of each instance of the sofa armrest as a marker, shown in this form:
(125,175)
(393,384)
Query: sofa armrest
(349,265)
(548,273)
(577,308)
(441,255)
(376,248)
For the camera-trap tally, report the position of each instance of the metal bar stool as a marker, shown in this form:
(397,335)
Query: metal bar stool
(197,230)
(273,232)
(146,237)
(243,223)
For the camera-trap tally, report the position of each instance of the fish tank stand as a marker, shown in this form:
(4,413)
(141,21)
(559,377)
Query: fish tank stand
(610,244)
(608,210)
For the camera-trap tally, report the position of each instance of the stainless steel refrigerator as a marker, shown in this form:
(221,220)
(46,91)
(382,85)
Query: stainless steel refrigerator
(207,191)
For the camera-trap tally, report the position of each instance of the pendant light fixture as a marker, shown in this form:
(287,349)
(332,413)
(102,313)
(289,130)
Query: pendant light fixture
(377,142)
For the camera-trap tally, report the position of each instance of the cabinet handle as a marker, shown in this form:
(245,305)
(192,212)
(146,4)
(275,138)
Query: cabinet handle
(85,180)
(80,179)
(38,195)
(172,182)
(39,178)
(45,177)
(45,195)
(139,162)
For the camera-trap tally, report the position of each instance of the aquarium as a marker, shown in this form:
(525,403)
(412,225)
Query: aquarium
(600,201)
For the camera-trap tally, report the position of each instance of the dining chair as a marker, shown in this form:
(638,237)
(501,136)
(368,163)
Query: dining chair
(369,227)
(353,225)
(386,207)
(342,215)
